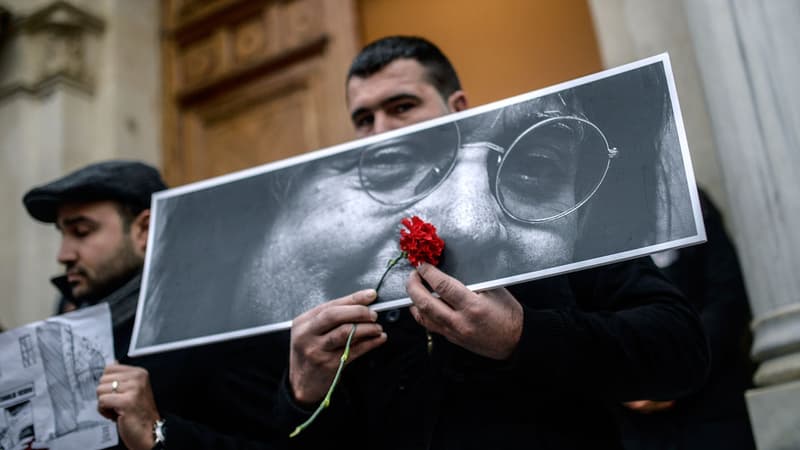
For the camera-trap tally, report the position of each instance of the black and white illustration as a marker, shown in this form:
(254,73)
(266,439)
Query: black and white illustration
(573,176)
(47,388)
(73,367)
(16,417)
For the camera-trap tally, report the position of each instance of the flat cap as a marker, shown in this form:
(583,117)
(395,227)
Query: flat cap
(128,182)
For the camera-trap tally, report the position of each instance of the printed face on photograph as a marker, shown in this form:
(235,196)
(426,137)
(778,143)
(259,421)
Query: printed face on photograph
(507,190)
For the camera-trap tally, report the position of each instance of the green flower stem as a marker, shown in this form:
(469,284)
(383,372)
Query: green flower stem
(389,266)
(327,400)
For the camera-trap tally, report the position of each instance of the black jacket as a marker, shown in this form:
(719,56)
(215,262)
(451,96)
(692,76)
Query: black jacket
(590,340)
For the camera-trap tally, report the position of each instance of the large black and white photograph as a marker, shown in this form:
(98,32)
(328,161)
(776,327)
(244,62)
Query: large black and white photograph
(581,174)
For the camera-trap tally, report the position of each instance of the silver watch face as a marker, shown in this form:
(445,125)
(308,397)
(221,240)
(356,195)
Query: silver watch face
(159,432)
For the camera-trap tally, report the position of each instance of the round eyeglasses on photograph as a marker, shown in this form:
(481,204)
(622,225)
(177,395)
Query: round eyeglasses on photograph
(549,170)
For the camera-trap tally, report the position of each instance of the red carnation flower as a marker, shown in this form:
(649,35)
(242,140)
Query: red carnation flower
(420,242)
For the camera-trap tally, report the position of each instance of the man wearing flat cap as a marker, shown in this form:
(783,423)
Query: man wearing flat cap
(209,397)
(103,214)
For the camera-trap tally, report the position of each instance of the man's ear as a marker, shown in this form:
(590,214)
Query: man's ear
(457,101)
(140,229)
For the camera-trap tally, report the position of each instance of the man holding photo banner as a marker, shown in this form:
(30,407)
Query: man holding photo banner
(537,365)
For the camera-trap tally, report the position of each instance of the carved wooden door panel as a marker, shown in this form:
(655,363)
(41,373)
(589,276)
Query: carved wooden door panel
(252,81)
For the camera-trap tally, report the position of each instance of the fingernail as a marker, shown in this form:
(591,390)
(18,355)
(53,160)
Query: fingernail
(373,315)
(371,294)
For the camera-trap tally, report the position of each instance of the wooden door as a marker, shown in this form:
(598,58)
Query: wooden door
(247,82)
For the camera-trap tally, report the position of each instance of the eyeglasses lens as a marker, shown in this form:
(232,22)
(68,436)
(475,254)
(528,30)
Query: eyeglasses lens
(405,169)
(551,168)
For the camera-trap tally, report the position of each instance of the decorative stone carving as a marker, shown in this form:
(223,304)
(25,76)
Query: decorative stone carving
(55,44)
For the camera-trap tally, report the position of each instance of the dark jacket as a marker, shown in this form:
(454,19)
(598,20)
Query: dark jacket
(212,397)
(715,416)
(590,340)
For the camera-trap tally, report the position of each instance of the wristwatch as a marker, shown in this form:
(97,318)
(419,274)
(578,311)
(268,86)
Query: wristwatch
(159,434)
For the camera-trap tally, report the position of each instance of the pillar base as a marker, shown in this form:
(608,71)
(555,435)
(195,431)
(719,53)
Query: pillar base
(775,416)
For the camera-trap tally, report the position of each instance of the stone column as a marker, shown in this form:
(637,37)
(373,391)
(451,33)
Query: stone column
(47,83)
(628,30)
(749,63)
(79,82)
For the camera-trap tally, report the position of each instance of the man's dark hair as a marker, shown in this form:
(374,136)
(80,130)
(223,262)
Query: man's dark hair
(381,53)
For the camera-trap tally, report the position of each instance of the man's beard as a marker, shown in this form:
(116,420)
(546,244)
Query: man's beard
(109,275)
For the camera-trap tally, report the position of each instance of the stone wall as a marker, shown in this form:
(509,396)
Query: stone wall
(79,82)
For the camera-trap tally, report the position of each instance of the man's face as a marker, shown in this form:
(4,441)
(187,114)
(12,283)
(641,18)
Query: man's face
(397,96)
(99,254)
(335,231)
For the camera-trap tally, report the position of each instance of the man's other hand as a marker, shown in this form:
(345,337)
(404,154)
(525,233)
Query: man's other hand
(487,323)
(649,406)
(130,404)
(318,340)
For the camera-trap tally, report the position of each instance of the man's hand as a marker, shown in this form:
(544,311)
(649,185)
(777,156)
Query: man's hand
(318,339)
(131,404)
(649,406)
(489,323)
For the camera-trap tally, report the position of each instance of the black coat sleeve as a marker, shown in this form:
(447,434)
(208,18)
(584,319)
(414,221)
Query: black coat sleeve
(629,334)
(333,424)
(186,434)
(222,396)
(711,277)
